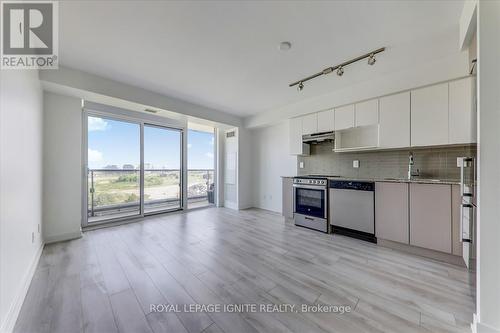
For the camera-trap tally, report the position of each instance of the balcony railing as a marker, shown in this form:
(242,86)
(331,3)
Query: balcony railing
(117,191)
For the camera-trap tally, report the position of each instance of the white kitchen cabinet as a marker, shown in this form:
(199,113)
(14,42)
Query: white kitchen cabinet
(395,121)
(344,117)
(462,111)
(295,138)
(326,121)
(310,124)
(366,113)
(429,115)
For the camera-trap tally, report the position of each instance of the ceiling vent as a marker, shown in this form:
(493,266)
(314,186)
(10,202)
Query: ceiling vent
(231,134)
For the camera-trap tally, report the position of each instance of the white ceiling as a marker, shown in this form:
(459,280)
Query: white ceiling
(225,54)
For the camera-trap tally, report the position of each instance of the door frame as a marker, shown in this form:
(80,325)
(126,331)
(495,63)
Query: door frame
(119,116)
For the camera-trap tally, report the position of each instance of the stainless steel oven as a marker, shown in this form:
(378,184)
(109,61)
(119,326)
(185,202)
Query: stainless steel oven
(311,203)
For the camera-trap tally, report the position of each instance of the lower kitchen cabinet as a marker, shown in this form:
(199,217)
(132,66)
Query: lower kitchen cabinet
(391,211)
(430,217)
(287,195)
(456,211)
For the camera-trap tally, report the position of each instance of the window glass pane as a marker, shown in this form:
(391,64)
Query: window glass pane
(162,169)
(113,169)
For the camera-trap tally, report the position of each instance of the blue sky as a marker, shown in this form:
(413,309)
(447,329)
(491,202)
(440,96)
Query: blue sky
(113,142)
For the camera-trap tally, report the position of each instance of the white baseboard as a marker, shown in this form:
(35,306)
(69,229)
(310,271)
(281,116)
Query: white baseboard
(63,237)
(482,328)
(231,205)
(15,308)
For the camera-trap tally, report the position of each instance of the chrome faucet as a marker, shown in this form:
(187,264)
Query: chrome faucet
(411,163)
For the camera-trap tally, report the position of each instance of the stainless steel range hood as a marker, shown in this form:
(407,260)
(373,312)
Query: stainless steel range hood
(318,137)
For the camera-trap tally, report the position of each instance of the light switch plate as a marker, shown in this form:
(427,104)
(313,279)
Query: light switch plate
(355,164)
(301,165)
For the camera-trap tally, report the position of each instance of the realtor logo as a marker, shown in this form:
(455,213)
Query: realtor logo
(29,35)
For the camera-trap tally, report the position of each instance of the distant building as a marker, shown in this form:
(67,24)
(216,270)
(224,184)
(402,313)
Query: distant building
(128,167)
(111,167)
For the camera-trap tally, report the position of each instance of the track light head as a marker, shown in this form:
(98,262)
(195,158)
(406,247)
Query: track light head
(340,71)
(300,86)
(371,59)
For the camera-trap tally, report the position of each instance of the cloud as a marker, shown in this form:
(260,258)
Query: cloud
(97,124)
(189,145)
(209,155)
(94,155)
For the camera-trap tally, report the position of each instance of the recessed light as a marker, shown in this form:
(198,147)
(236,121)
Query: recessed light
(285,46)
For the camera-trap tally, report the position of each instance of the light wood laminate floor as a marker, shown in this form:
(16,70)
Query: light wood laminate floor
(107,280)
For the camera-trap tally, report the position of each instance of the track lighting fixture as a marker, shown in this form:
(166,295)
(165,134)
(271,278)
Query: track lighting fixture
(340,71)
(372,60)
(300,86)
(339,68)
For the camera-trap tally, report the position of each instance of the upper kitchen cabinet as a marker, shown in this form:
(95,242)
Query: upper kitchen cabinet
(295,138)
(395,121)
(326,121)
(310,124)
(344,117)
(366,113)
(462,111)
(429,115)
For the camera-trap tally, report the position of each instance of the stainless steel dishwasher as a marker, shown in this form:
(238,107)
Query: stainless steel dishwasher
(352,208)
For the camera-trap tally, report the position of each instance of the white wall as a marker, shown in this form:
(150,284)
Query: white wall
(271,161)
(102,90)
(62,163)
(488,264)
(20,188)
(245,166)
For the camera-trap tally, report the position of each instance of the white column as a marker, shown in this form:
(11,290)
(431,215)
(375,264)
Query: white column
(488,268)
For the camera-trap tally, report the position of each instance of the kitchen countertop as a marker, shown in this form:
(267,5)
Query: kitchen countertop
(396,180)
(404,180)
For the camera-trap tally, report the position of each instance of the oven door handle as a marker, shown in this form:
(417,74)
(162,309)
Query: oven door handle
(311,187)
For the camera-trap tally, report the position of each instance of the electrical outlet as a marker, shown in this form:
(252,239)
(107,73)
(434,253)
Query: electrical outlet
(32,237)
(301,165)
(355,164)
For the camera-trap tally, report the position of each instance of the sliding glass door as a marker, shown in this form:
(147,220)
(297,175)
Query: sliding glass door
(113,174)
(162,169)
(133,169)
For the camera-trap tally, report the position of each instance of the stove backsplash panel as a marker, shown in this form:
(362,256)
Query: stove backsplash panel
(438,163)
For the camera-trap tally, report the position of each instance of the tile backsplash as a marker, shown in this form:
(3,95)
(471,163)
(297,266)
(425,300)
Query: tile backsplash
(439,163)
